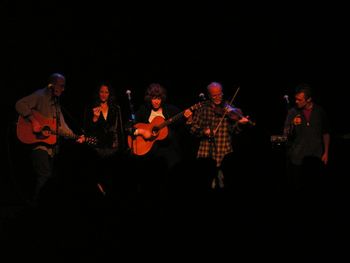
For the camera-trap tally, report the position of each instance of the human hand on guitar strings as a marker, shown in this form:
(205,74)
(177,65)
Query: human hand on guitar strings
(146,134)
(37,127)
(81,139)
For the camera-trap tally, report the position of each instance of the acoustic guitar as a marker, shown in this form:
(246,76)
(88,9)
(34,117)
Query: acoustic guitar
(48,134)
(158,127)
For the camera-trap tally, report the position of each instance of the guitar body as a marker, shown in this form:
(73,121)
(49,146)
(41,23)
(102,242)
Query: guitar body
(48,133)
(25,131)
(140,146)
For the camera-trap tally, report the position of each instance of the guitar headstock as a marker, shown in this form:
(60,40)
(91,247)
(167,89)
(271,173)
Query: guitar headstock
(91,140)
(198,105)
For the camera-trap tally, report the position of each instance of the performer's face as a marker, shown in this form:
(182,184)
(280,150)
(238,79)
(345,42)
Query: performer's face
(301,101)
(216,94)
(58,87)
(104,93)
(156,103)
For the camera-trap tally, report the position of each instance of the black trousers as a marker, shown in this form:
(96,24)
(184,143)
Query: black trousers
(43,169)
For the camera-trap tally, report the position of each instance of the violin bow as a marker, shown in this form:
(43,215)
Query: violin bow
(234,95)
(225,112)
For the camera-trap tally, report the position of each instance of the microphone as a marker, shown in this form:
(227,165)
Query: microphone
(202,96)
(132,117)
(128,93)
(286,97)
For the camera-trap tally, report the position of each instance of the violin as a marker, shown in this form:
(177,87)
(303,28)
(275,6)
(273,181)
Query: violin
(231,112)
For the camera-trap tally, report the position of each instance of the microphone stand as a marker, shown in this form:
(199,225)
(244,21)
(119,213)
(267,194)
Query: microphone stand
(132,120)
(121,128)
(288,106)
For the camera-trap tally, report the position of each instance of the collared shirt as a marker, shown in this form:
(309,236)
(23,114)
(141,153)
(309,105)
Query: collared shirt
(220,144)
(43,102)
(305,136)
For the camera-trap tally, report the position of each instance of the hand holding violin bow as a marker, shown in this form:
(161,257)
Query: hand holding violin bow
(237,115)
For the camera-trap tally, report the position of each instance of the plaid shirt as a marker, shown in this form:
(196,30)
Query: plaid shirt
(218,145)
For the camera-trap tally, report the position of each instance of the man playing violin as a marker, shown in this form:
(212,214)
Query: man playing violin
(214,124)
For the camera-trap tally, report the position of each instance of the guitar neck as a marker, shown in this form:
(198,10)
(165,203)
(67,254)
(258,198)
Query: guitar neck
(178,116)
(48,134)
(65,135)
(171,120)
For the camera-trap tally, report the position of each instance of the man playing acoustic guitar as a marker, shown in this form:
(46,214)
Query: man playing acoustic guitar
(42,111)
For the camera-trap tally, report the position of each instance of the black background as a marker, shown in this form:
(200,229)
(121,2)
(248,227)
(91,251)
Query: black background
(266,49)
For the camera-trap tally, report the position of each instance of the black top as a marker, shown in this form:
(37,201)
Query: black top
(106,131)
(305,137)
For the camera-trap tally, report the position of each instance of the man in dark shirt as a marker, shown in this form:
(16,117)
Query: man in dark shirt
(307,130)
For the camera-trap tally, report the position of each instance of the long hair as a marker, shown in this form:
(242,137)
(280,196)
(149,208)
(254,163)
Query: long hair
(111,98)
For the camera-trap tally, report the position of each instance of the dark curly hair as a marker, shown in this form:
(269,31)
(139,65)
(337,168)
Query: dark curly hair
(155,90)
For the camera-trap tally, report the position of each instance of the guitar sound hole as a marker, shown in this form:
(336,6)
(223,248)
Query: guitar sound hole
(46,128)
(44,133)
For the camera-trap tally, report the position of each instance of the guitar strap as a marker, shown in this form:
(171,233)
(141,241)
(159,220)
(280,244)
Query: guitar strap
(58,122)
